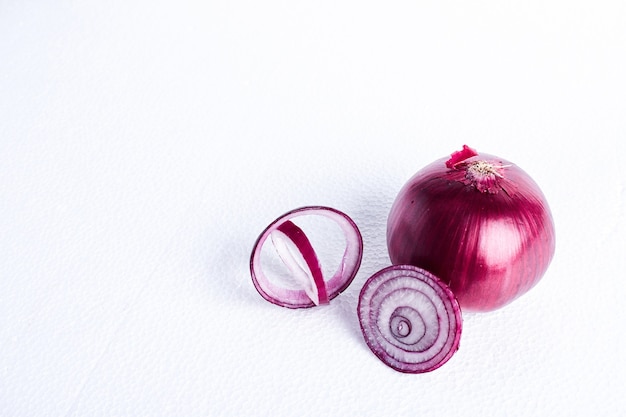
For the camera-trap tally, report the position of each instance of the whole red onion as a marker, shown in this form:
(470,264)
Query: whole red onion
(479,223)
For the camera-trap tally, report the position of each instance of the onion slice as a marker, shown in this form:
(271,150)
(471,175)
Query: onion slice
(297,253)
(409,318)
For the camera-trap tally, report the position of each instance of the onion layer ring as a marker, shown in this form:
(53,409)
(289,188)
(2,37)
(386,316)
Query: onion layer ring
(320,290)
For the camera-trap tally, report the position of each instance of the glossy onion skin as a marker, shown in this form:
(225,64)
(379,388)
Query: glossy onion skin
(490,245)
(409,318)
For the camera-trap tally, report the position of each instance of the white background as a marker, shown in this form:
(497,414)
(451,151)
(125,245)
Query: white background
(144,145)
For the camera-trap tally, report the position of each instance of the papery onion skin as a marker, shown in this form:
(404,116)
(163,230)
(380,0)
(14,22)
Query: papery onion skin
(334,285)
(488,234)
(409,318)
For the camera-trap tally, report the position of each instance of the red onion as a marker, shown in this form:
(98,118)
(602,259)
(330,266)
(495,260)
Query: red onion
(409,318)
(305,285)
(479,223)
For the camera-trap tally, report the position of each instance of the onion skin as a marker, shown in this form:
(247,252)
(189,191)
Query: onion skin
(488,234)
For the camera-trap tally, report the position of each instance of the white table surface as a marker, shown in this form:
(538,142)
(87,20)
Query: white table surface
(145,145)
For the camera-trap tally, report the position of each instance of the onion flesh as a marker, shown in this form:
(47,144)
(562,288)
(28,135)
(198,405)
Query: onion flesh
(410,319)
(478,222)
(299,257)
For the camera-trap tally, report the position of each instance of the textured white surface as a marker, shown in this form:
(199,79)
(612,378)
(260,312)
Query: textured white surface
(144,145)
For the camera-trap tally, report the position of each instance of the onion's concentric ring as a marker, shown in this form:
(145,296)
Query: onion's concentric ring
(409,318)
(322,289)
